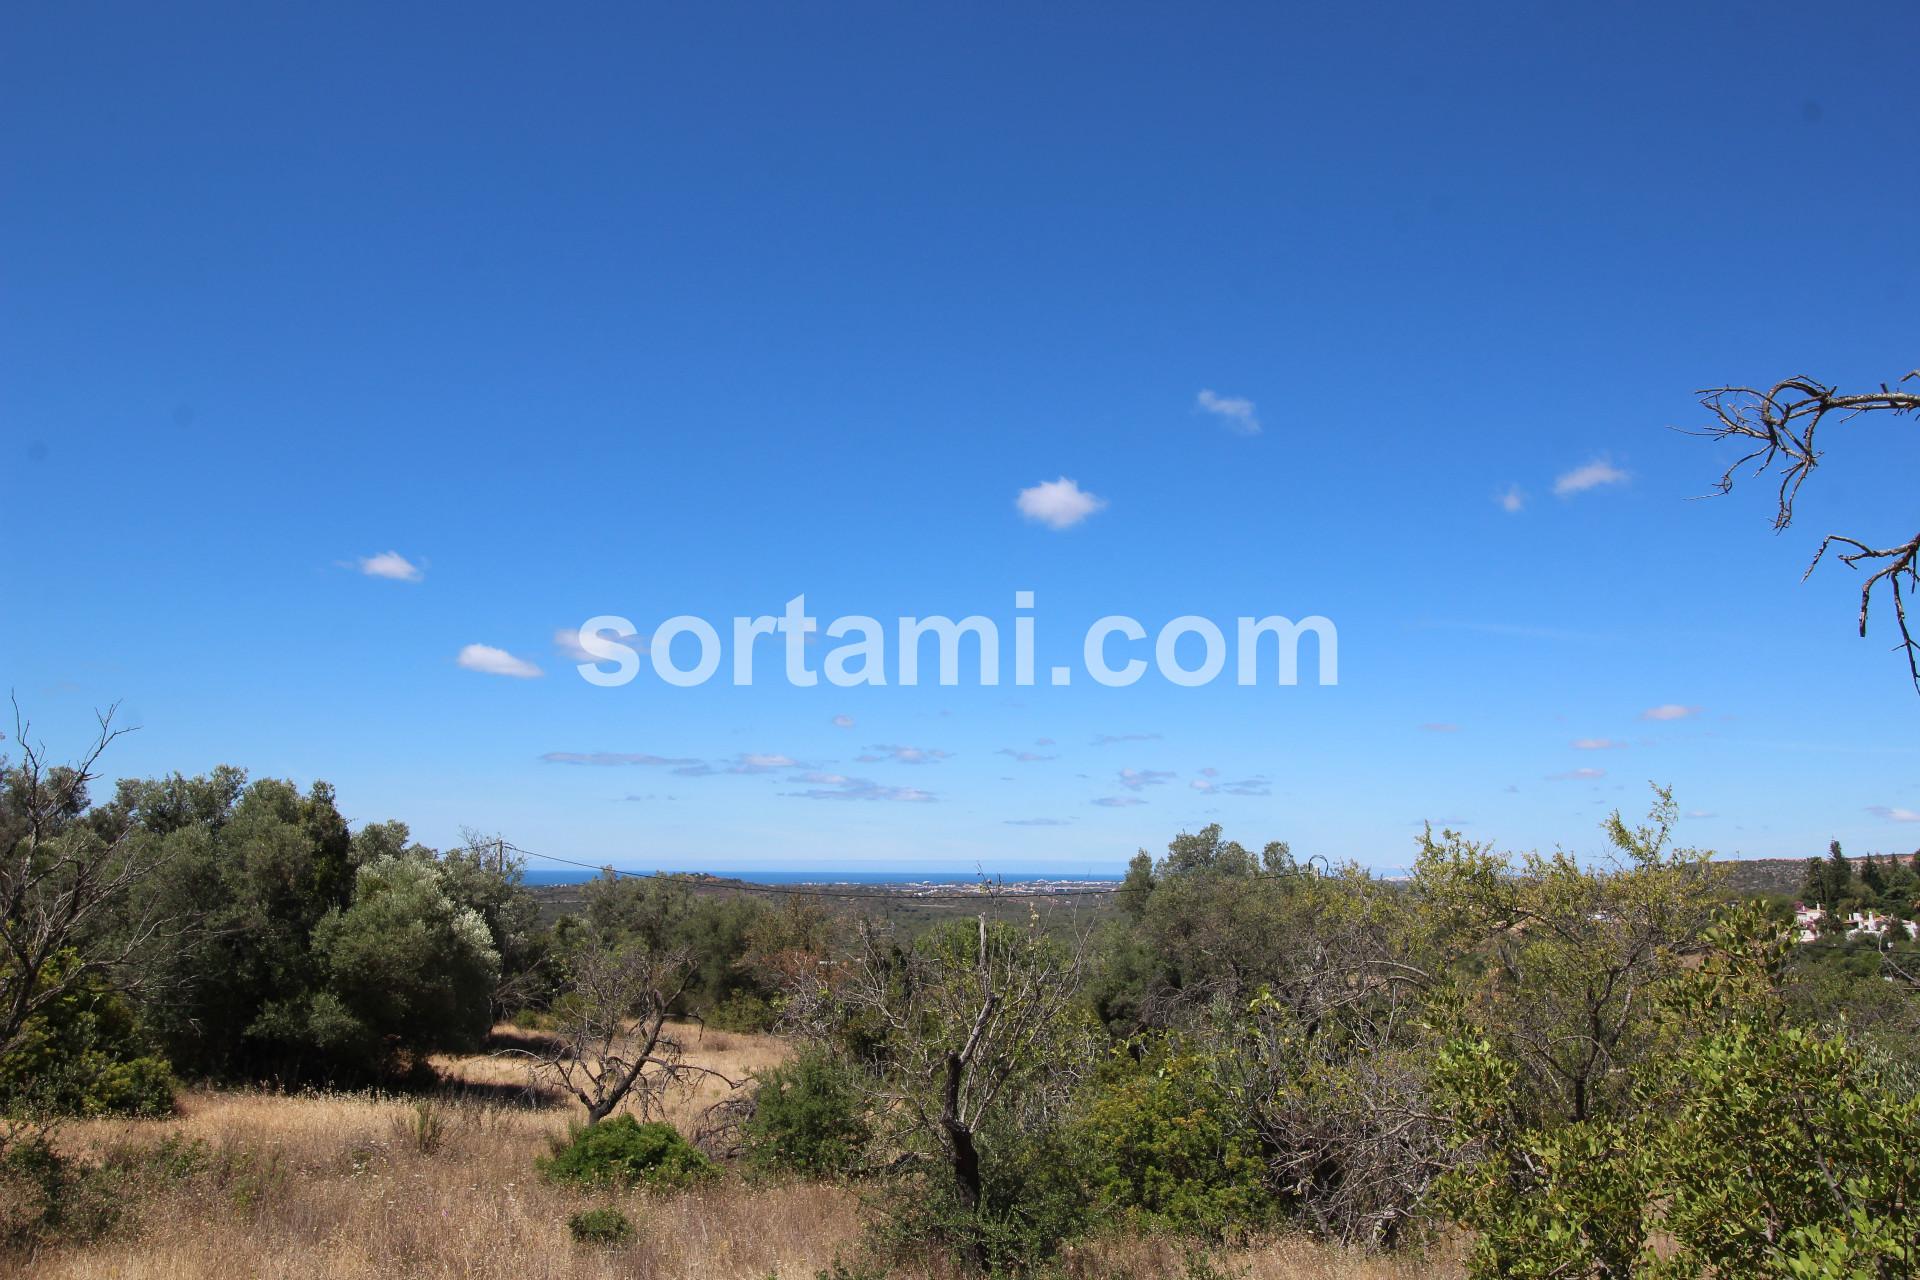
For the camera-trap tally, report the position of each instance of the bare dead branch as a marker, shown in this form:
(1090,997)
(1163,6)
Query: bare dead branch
(1778,427)
(65,868)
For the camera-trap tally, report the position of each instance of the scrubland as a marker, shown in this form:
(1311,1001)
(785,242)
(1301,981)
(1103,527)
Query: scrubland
(351,1186)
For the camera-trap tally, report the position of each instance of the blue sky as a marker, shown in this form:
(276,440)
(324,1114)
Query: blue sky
(690,309)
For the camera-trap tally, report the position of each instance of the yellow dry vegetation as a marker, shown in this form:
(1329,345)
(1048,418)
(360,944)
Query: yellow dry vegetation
(341,1186)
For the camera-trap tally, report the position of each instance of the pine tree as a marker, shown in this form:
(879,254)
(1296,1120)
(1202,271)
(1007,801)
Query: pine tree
(1839,876)
(1872,877)
(1814,890)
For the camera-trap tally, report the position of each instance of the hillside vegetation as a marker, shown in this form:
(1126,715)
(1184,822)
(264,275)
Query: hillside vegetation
(238,1037)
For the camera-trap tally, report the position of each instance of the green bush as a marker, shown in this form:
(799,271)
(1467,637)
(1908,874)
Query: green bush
(46,1197)
(807,1119)
(1162,1148)
(605,1226)
(742,1011)
(80,1055)
(624,1152)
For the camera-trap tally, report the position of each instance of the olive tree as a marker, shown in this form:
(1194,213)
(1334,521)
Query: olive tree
(612,1042)
(970,1026)
(66,871)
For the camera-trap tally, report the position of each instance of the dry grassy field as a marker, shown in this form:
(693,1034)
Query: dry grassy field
(342,1186)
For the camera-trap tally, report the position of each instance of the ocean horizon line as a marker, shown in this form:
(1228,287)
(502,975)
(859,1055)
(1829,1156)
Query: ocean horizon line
(869,876)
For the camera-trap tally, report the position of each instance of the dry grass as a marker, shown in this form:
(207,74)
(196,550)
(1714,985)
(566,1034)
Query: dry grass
(338,1186)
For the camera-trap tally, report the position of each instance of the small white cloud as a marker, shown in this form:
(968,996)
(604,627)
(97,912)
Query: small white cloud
(833,786)
(1439,726)
(1135,779)
(1893,815)
(1576,775)
(762,762)
(391,565)
(1699,813)
(843,722)
(1036,822)
(904,755)
(1597,744)
(566,640)
(1118,802)
(614,758)
(1058,504)
(495,662)
(1669,711)
(1512,500)
(1236,411)
(1592,476)
(1024,757)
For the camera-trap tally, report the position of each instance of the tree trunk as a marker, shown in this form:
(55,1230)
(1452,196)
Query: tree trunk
(963,1156)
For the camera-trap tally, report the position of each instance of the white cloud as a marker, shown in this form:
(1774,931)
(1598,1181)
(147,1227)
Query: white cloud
(567,641)
(904,755)
(1235,411)
(1699,813)
(1596,744)
(1058,504)
(495,662)
(1036,822)
(1108,739)
(1024,757)
(1118,802)
(833,786)
(391,564)
(1669,711)
(1135,779)
(1893,815)
(614,758)
(1595,474)
(843,722)
(1512,500)
(1576,775)
(763,762)
(1440,726)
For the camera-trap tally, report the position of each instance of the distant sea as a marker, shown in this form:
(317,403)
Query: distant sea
(580,875)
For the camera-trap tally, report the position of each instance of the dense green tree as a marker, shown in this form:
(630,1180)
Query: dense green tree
(1872,879)
(662,914)
(406,967)
(1837,885)
(304,948)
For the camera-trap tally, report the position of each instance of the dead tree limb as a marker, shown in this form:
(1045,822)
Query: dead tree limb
(1777,427)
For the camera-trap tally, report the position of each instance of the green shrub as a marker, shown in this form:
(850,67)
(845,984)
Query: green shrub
(605,1226)
(624,1152)
(47,1197)
(1163,1148)
(1033,1200)
(80,1055)
(424,1126)
(807,1118)
(742,1011)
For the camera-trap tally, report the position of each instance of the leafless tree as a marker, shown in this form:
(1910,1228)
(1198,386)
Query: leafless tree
(969,1029)
(612,1041)
(65,872)
(1777,428)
